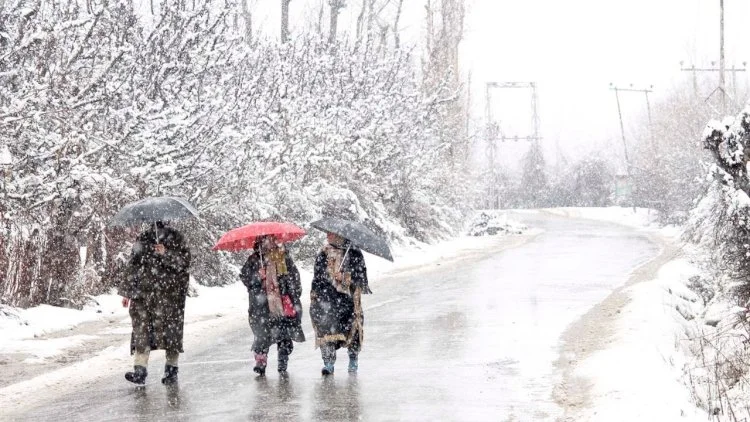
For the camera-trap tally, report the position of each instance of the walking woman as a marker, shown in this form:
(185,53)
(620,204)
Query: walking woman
(156,289)
(339,281)
(275,310)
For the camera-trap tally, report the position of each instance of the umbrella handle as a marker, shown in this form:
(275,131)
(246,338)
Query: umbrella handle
(344,258)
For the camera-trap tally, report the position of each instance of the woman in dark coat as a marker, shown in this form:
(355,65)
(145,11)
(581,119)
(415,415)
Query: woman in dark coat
(275,312)
(339,281)
(156,287)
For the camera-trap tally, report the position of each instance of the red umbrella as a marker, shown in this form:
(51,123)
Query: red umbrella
(244,237)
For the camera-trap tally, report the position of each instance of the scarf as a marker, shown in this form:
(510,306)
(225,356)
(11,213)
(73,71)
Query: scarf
(272,267)
(341,279)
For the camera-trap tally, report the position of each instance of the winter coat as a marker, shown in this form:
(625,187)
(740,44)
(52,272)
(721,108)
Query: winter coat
(337,317)
(157,286)
(272,329)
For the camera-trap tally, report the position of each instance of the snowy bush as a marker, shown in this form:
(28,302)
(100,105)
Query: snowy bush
(491,223)
(719,225)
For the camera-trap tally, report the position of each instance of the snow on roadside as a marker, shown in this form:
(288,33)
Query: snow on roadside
(641,217)
(641,374)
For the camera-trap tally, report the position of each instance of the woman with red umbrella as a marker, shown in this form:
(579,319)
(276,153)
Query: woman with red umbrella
(274,287)
(275,312)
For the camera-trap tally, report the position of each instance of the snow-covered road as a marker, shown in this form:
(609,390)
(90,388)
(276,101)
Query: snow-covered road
(472,339)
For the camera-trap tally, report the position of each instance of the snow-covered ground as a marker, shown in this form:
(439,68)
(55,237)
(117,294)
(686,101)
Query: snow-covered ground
(640,376)
(641,373)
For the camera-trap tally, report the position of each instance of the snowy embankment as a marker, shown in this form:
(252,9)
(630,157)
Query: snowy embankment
(641,374)
(641,371)
(49,335)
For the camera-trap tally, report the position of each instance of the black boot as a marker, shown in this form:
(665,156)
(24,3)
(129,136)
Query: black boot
(138,376)
(283,361)
(170,375)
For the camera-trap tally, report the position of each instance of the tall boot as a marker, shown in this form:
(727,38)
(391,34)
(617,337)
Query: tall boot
(283,362)
(285,348)
(328,353)
(170,375)
(353,361)
(138,376)
(261,360)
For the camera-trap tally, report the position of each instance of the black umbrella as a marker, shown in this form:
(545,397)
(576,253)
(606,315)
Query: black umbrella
(357,234)
(153,209)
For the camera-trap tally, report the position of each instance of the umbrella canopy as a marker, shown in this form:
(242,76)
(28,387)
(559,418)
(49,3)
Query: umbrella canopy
(153,209)
(244,237)
(357,233)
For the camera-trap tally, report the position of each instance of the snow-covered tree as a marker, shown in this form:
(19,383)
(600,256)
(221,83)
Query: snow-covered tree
(667,171)
(533,191)
(587,183)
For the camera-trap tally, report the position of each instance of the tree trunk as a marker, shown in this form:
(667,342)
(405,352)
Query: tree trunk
(285,20)
(361,21)
(430,28)
(333,28)
(396,34)
(248,18)
(319,23)
(383,39)
(370,23)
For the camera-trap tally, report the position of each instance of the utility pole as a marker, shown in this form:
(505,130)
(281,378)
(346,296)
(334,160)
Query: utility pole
(622,127)
(645,91)
(628,165)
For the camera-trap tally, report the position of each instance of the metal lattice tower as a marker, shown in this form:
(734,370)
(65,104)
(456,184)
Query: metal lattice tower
(494,132)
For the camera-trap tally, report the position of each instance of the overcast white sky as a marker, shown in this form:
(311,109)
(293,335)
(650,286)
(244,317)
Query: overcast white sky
(573,49)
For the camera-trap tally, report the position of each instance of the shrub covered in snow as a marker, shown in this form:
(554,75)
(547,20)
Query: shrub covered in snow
(720,226)
(491,223)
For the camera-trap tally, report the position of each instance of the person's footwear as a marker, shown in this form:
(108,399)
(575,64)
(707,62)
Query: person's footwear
(327,369)
(353,365)
(261,360)
(170,375)
(138,375)
(283,362)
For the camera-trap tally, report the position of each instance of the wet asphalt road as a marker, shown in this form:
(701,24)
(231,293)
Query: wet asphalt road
(469,340)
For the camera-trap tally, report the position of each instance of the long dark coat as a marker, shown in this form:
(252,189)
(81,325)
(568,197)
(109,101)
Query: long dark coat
(157,286)
(268,329)
(332,312)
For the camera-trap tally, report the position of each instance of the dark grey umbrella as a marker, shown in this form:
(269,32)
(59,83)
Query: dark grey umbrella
(359,235)
(153,209)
